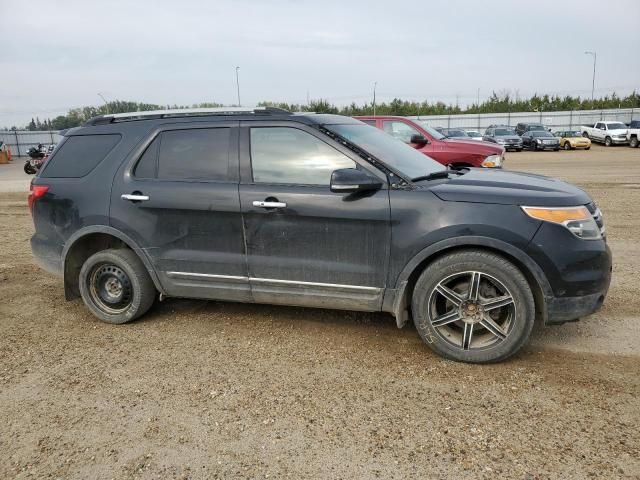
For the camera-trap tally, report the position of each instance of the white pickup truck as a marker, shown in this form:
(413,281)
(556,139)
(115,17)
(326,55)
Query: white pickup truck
(609,133)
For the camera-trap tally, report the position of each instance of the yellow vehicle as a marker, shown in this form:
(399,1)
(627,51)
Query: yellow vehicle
(571,139)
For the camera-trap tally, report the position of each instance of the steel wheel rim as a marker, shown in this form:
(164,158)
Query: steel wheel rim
(471,311)
(110,288)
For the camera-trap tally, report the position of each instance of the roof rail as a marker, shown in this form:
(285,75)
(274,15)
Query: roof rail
(183,112)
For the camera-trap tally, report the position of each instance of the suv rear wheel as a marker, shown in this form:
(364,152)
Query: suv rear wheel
(115,286)
(473,306)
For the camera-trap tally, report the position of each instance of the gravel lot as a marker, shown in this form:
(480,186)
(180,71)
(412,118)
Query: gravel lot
(209,389)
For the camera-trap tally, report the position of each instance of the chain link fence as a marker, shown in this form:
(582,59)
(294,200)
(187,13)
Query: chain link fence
(20,141)
(567,120)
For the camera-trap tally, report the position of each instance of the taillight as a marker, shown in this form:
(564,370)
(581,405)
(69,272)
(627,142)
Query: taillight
(36,192)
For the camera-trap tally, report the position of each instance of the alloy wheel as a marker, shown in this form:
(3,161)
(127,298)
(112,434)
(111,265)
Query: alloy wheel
(471,310)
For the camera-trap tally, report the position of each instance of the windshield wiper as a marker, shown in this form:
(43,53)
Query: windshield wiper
(433,175)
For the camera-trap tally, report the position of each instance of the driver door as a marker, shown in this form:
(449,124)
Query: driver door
(307,245)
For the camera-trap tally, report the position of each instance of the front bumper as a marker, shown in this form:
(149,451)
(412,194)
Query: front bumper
(619,141)
(569,309)
(546,146)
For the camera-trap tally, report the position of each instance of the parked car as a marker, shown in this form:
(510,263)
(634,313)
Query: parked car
(523,127)
(262,206)
(448,151)
(572,139)
(454,133)
(540,140)
(505,136)
(609,133)
(474,134)
(633,133)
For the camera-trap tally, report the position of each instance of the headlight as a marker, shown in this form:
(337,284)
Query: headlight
(501,140)
(577,220)
(538,140)
(493,161)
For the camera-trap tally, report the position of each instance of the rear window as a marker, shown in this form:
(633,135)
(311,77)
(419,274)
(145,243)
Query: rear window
(78,155)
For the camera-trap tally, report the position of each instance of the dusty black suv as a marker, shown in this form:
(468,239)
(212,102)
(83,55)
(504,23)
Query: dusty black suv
(323,211)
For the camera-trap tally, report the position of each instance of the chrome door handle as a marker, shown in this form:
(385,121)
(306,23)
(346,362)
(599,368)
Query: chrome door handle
(134,198)
(258,203)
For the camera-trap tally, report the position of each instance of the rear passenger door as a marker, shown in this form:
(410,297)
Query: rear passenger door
(177,197)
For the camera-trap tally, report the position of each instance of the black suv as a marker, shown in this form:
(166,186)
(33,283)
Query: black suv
(313,210)
(521,128)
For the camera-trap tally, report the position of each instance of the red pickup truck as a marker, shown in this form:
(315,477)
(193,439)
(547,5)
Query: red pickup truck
(448,151)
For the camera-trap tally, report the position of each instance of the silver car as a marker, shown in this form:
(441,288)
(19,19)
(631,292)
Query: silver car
(505,136)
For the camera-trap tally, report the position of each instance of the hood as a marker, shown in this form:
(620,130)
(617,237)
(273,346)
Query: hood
(486,148)
(481,185)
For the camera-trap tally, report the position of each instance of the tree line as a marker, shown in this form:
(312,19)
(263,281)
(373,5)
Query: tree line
(496,103)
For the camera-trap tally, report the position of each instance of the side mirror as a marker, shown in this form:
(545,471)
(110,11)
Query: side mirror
(418,140)
(349,180)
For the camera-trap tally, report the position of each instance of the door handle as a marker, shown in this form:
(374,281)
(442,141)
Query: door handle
(134,197)
(258,203)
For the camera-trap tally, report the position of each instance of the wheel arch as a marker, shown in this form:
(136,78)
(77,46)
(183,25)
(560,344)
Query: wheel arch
(89,240)
(399,305)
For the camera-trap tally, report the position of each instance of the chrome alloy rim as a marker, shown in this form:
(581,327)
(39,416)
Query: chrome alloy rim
(471,310)
(110,288)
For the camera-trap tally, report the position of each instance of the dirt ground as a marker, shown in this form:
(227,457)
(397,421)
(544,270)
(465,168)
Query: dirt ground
(210,389)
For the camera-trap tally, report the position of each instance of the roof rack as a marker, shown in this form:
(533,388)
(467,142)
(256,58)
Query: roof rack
(184,112)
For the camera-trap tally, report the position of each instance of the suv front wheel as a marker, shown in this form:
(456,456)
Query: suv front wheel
(115,286)
(473,306)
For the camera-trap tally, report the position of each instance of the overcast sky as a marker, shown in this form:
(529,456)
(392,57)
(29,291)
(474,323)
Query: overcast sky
(59,55)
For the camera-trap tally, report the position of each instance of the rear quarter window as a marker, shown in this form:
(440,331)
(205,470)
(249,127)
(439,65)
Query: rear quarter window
(78,155)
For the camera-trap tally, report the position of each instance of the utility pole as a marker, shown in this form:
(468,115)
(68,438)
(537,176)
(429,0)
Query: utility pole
(307,97)
(478,98)
(238,85)
(375,84)
(593,80)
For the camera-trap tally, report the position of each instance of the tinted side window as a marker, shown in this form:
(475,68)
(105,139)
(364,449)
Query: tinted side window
(146,167)
(369,122)
(79,155)
(194,154)
(289,155)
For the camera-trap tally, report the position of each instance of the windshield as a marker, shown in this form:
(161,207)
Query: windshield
(393,152)
(541,133)
(616,126)
(456,133)
(430,130)
(504,131)
(572,134)
(473,133)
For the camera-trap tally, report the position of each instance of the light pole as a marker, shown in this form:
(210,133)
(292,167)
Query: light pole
(238,85)
(105,102)
(593,81)
(374,98)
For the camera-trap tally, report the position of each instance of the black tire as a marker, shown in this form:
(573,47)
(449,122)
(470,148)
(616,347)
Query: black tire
(556,149)
(607,142)
(100,276)
(585,134)
(633,142)
(28,169)
(567,145)
(518,316)
(588,148)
